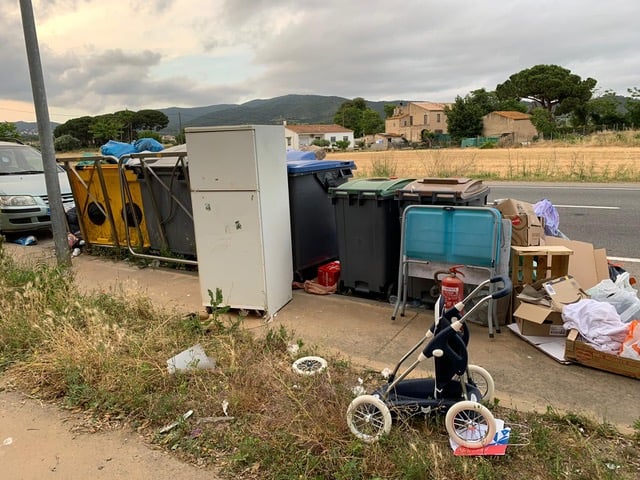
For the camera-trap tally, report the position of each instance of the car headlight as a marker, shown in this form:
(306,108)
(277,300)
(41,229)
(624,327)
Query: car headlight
(17,200)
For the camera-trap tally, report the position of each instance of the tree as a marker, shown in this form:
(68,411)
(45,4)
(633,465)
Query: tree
(355,115)
(126,118)
(633,107)
(552,87)
(9,130)
(605,111)
(464,118)
(389,108)
(371,122)
(150,120)
(77,128)
(106,127)
(544,122)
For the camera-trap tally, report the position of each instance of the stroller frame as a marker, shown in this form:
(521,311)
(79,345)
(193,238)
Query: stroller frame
(468,422)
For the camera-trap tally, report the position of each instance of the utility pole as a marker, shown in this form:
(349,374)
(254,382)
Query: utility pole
(58,217)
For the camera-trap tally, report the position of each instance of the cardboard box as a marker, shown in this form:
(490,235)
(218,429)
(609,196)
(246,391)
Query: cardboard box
(526,228)
(588,265)
(581,352)
(541,320)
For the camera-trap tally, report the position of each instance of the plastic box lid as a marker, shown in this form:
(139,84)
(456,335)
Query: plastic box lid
(373,187)
(457,187)
(310,166)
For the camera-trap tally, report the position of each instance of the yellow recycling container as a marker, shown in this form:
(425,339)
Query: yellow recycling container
(106,217)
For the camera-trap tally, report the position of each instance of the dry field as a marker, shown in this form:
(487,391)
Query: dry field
(550,163)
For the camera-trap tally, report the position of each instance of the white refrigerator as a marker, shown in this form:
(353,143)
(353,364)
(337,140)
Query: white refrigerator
(239,193)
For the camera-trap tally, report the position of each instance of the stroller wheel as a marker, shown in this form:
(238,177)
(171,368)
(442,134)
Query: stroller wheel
(309,365)
(470,424)
(483,380)
(368,418)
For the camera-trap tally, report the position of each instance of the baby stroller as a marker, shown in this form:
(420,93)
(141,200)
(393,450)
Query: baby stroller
(453,390)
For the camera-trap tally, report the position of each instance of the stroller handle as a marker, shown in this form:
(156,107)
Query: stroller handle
(505,290)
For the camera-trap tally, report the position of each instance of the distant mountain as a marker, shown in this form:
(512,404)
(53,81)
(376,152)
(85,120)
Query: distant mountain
(300,109)
(30,128)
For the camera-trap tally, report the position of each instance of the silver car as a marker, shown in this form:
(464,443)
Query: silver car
(24,204)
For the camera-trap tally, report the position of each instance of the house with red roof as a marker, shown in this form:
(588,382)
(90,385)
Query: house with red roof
(300,136)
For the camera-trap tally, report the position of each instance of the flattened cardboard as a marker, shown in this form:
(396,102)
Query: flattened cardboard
(580,352)
(552,346)
(527,228)
(587,264)
(563,291)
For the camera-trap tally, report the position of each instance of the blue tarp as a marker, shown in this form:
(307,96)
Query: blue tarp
(119,149)
(147,145)
(300,155)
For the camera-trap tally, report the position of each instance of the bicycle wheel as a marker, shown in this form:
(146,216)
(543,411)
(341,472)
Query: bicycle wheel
(482,379)
(309,365)
(368,418)
(470,424)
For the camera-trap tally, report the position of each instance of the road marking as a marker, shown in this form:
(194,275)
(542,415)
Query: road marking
(598,207)
(624,259)
(563,187)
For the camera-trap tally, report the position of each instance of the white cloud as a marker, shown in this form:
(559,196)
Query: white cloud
(105,56)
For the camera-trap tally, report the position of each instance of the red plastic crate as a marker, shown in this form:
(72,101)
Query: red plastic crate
(329,273)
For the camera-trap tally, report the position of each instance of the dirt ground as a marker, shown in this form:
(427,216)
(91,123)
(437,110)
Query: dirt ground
(40,441)
(603,163)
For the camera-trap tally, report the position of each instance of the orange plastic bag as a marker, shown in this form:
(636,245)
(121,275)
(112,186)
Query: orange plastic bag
(631,345)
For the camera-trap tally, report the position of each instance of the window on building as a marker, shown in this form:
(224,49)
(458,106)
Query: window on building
(333,139)
(345,138)
(438,118)
(288,141)
(426,119)
(411,120)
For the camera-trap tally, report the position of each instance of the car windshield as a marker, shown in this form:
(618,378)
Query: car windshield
(19,159)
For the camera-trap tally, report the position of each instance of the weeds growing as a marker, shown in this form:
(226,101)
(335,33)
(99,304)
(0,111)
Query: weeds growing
(254,417)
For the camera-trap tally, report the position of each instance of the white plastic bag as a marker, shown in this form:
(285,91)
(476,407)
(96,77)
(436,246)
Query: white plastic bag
(619,294)
(623,281)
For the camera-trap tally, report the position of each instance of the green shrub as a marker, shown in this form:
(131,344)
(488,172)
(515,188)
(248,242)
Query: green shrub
(343,144)
(150,134)
(66,143)
(321,142)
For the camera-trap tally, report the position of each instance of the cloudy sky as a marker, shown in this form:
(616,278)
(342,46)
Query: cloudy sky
(100,56)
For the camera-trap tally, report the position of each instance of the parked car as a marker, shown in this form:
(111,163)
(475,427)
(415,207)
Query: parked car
(24,204)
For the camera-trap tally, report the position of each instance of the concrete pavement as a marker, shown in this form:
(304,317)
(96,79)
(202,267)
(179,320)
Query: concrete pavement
(362,330)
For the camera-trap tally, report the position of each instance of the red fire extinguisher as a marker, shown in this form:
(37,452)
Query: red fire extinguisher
(451,287)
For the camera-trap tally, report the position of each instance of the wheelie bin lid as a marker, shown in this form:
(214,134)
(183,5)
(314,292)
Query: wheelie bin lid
(309,166)
(379,187)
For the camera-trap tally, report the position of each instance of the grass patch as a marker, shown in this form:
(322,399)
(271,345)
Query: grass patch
(382,166)
(254,417)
